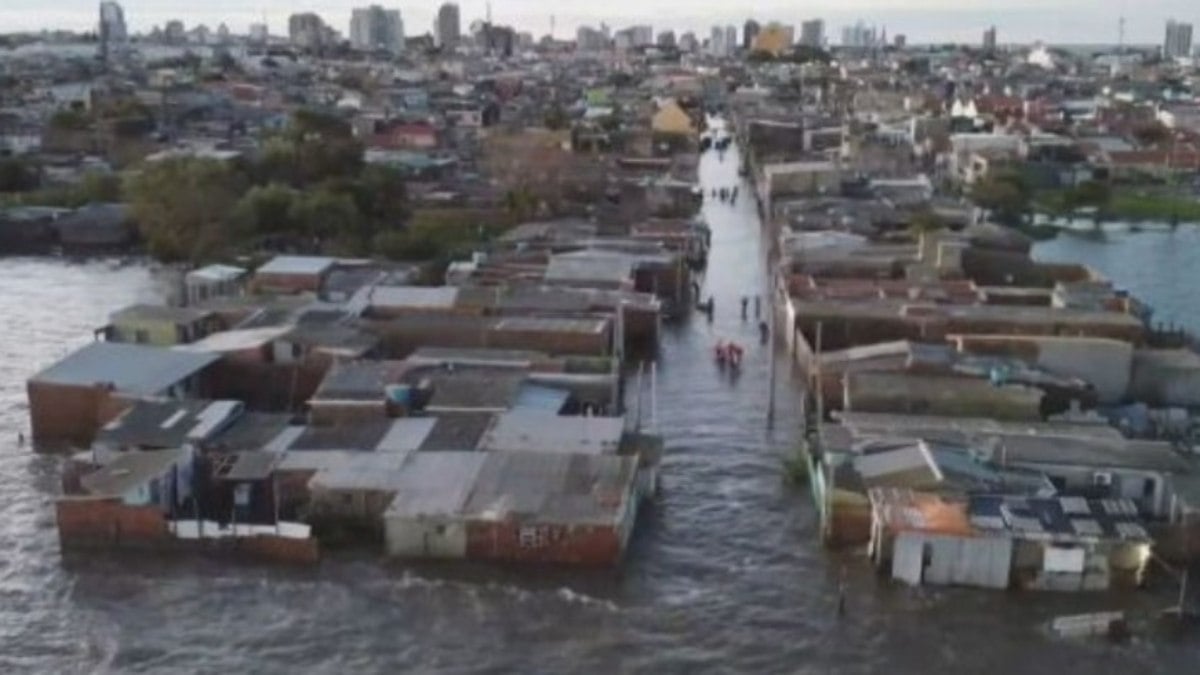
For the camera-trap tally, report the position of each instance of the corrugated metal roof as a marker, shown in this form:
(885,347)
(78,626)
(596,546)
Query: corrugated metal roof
(539,487)
(610,269)
(215,273)
(876,467)
(551,325)
(406,434)
(378,471)
(297,264)
(435,484)
(130,368)
(130,470)
(538,431)
(418,297)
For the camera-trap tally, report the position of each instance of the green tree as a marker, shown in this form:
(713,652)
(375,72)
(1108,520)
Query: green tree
(265,210)
(556,117)
(183,206)
(18,175)
(1006,195)
(1091,193)
(69,119)
(326,216)
(307,123)
(98,186)
(926,220)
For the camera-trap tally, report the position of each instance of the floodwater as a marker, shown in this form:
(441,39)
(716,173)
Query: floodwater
(725,574)
(1160,265)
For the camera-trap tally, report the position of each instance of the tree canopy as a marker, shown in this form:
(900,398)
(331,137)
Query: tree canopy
(1005,194)
(182,206)
(308,190)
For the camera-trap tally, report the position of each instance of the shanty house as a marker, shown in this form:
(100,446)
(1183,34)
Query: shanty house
(1045,543)
(293,274)
(552,508)
(425,518)
(213,281)
(160,325)
(72,399)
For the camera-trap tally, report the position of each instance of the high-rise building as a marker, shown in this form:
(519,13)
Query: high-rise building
(900,41)
(588,39)
(859,36)
(223,34)
(642,36)
(666,39)
(174,32)
(1178,42)
(716,41)
(448,28)
(113,34)
(307,30)
(989,39)
(731,39)
(812,33)
(200,35)
(688,42)
(750,31)
(374,27)
(259,33)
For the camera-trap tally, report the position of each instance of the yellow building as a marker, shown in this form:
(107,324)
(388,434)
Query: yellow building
(160,326)
(773,40)
(672,119)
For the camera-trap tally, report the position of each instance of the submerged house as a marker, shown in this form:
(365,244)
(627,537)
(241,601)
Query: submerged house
(1000,542)
(514,506)
(75,397)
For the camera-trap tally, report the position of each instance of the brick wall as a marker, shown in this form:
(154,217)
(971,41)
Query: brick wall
(509,541)
(87,522)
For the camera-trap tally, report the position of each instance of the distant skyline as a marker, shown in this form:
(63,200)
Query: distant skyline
(1054,21)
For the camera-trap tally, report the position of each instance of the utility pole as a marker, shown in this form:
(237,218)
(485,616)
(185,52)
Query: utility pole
(773,329)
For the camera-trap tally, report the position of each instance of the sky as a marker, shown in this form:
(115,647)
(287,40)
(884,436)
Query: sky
(1017,21)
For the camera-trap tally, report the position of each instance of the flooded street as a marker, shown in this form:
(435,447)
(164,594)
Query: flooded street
(725,573)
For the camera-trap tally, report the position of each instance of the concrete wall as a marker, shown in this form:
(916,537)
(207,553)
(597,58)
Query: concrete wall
(425,537)
(950,396)
(1166,377)
(575,343)
(333,413)
(807,179)
(1106,364)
